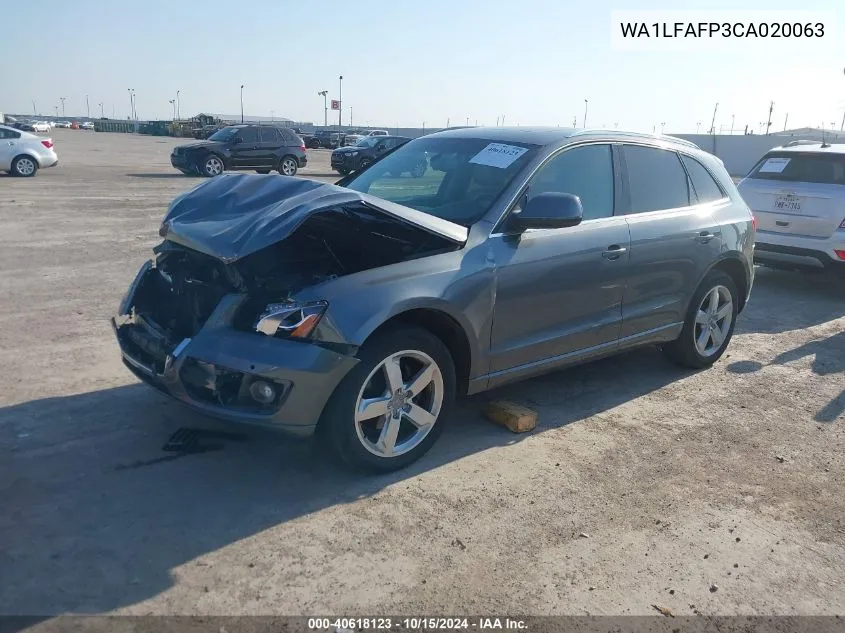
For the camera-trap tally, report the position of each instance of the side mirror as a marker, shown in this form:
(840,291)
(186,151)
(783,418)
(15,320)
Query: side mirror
(548,211)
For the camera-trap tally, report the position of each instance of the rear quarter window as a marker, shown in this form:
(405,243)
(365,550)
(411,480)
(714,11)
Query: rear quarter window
(822,168)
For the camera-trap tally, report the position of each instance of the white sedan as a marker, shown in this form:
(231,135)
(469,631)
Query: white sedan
(65,124)
(87,125)
(23,154)
(41,126)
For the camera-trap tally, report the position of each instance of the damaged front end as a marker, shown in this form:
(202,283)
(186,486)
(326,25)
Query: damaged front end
(214,320)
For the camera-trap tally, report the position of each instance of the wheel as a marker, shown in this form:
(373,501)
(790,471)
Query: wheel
(262,171)
(389,410)
(419,169)
(313,144)
(288,166)
(24,166)
(709,325)
(213,166)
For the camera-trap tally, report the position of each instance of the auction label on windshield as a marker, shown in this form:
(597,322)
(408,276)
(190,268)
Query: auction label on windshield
(498,155)
(722,30)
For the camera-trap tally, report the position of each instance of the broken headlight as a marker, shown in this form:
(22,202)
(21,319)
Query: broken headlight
(290,319)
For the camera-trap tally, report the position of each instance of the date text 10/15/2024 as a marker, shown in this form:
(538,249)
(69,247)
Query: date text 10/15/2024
(415,624)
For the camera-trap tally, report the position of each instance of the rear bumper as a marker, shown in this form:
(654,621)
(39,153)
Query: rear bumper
(49,159)
(798,256)
(213,371)
(302,160)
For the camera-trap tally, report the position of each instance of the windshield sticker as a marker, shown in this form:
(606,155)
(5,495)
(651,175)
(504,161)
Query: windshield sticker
(774,165)
(498,155)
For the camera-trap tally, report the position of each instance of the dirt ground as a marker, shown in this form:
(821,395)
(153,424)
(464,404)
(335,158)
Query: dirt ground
(719,492)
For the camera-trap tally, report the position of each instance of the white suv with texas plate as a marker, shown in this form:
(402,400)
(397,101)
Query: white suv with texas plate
(797,194)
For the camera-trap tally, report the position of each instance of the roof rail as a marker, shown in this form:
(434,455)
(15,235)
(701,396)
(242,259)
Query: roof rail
(802,142)
(674,139)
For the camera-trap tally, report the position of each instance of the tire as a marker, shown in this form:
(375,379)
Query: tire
(361,443)
(314,144)
(212,165)
(24,166)
(687,349)
(262,171)
(288,166)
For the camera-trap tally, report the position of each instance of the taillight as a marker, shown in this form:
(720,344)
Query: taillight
(840,254)
(754,221)
(48,143)
(302,147)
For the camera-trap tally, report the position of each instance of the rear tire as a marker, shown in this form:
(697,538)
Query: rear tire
(24,166)
(391,440)
(288,166)
(707,331)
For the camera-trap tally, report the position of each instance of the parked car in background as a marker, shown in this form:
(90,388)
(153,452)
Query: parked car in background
(23,153)
(24,125)
(368,150)
(360,310)
(797,194)
(378,133)
(87,125)
(262,148)
(41,126)
(351,137)
(63,124)
(324,138)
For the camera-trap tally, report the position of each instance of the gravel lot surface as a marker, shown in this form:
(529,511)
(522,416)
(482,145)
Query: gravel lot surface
(719,492)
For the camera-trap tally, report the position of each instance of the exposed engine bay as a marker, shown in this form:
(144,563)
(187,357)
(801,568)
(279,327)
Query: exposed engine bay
(185,286)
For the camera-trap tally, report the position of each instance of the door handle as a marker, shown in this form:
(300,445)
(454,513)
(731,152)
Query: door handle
(614,252)
(705,236)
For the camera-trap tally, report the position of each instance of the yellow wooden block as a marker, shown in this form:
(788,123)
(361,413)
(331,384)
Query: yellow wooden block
(517,418)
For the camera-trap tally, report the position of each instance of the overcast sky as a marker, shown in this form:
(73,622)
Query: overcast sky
(405,64)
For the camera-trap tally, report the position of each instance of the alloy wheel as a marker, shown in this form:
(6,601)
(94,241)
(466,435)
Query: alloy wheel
(288,167)
(398,405)
(213,166)
(25,166)
(713,321)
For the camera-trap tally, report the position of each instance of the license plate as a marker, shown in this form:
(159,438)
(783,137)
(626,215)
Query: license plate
(787,202)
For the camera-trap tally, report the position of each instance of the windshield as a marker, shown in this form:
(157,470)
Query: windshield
(223,135)
(815,167)
(367,141)
(456,179)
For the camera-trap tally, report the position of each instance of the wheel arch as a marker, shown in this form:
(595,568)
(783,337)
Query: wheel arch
(733,266)
(445,327)
(25,154)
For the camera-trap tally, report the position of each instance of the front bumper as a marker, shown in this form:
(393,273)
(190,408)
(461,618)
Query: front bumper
(213,370)
(182,162)
(803,252)
(343,161)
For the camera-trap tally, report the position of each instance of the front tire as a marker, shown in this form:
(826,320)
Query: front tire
(390,409)
(709,325)
(24,166)
(212,166)
(288,166)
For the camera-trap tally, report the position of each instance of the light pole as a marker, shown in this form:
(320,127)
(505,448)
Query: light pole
(272,115)
(585,112)
(173,103)
(323,93)
(102,114)
(350,116)
(33,108)
(733,116)
(662,125)
(62,99)
(697,127)
(57,111)
(178,112)
(87,108)
(340,101)
(131,103)
(242,103)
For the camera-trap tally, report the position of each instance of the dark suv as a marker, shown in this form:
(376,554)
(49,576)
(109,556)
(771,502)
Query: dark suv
(368,150)
(242,147)
(326,139)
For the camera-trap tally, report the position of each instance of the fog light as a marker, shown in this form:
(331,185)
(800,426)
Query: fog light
(262,391)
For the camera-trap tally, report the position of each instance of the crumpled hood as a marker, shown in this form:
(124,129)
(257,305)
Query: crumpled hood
(234,215)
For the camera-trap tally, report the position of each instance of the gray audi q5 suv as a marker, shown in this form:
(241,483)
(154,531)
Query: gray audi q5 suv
(360,310)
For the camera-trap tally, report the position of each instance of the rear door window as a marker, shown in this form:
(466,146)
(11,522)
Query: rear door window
(248,135)
(270,135)
(705,186)
(815,167)
(656,179)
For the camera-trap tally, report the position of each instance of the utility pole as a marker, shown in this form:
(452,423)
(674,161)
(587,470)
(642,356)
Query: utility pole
(575,121)
(585,112)
(57,111)
(242,103)
(340,101)
(697,127)
(87,107)
(713,122)
(102,114)
(62,99)
(178,112)
(323,93)
(503,120)
(33,108)
(497,121)
(131,105)
(769,121)
(843,122)
(733,116)
(785,119)
(173,103)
